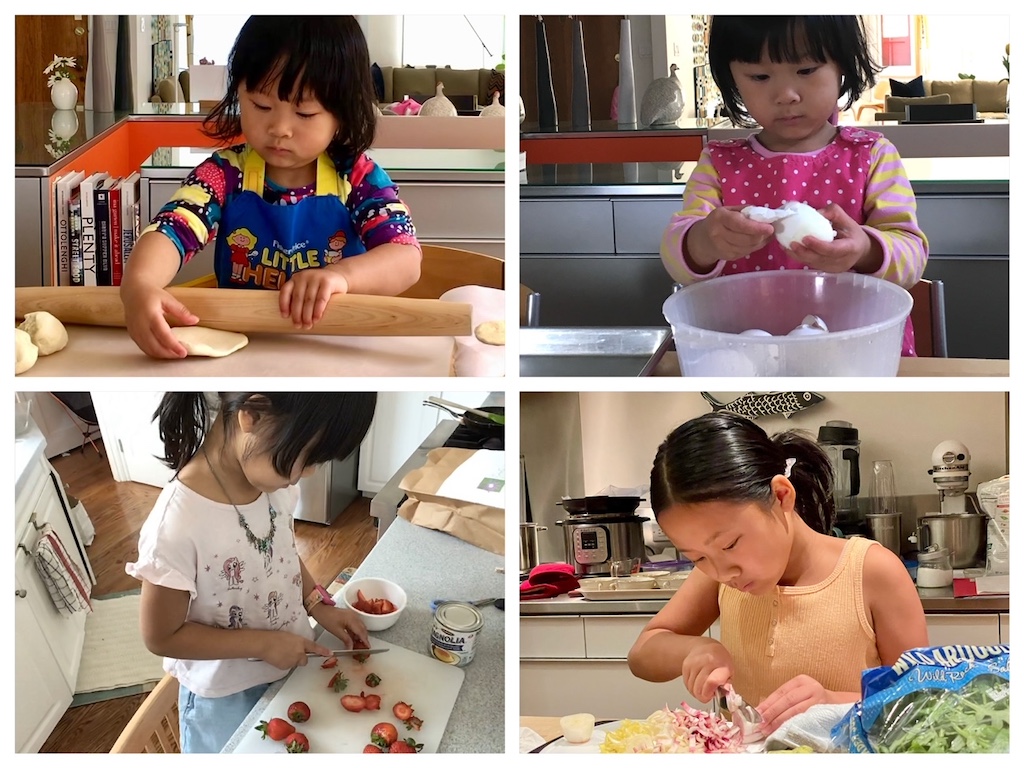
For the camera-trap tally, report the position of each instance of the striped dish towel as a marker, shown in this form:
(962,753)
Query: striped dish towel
(68,589)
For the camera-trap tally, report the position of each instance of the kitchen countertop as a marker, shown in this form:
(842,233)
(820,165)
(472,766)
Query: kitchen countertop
(430,564)
(933,601)
(96,351)
(939,175)
(27,450)
(909,366)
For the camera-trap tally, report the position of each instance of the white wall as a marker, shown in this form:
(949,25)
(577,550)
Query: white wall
(622,431)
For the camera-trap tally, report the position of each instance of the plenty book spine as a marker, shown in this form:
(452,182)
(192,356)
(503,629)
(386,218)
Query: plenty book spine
(75,238)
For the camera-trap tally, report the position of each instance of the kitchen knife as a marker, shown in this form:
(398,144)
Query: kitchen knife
(348,652)
(258,311)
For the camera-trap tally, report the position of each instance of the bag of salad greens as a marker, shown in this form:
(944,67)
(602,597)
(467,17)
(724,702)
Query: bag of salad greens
(953,698)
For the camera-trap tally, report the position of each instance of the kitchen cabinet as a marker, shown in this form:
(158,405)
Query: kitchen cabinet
(48,644)
(570,663)
(1004,628)
(963,628)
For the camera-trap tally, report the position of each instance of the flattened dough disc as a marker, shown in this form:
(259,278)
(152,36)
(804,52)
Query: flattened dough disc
(209,342)
(492,332)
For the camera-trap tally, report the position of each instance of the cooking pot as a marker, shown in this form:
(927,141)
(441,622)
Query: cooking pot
(963,535)
(529,546)
(594,540)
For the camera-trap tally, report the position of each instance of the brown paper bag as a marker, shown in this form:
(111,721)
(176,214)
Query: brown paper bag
(480,524)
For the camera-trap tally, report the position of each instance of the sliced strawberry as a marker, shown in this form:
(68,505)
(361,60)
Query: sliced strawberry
(353,703)
(413,722)
(372,680)
(402,711)
(338,682)
(372,701)
(330,663)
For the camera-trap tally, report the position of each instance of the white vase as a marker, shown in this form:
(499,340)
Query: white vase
(64,123)
(627,84)
(64,94)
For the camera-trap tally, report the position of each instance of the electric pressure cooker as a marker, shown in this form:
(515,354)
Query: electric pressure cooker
(601,530)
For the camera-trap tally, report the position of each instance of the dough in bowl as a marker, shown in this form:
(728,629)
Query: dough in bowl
(492,332)
(209,342)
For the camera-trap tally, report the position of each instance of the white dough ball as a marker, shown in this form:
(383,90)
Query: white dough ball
(25,352)
(754,332)
(806,330)
(47,332)
(805,222)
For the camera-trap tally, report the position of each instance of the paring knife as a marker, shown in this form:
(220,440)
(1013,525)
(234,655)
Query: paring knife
(344,652)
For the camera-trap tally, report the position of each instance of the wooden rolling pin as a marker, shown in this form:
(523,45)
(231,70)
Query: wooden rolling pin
(258,311)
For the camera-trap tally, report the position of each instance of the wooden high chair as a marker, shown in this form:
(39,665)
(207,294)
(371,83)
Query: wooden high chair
(929,318)
(154,726)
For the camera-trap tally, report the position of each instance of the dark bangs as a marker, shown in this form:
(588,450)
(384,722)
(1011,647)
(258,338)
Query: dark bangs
(316,427)
(790,39)
(323,57)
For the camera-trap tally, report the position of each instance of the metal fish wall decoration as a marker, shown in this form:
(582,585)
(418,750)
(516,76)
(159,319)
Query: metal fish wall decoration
(756,404)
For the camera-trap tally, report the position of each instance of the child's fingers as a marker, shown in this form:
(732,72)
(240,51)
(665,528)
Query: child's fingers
(314,647)
(285,299)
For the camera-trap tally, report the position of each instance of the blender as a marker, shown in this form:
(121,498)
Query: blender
(841,443)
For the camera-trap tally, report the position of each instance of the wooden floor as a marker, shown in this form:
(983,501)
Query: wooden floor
(117,511)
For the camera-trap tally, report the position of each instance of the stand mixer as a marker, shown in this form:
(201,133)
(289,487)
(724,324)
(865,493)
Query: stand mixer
(950,472)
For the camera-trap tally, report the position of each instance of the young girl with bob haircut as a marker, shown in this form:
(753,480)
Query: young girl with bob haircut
(225,597)
(299,207)
(787,75)
(802,612)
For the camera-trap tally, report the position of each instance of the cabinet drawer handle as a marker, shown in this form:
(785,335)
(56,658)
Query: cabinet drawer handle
(21,593)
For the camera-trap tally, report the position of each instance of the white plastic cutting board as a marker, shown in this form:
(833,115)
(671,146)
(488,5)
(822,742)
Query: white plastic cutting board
(429,686)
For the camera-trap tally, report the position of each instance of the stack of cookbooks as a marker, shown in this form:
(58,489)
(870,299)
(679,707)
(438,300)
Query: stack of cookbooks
(96,224)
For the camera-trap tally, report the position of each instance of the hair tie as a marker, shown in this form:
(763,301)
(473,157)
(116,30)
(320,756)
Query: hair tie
(789,467)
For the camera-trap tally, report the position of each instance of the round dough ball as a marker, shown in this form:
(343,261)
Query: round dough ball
(25,352)
(804,222)
(492,332)
(209,342)
(47,332)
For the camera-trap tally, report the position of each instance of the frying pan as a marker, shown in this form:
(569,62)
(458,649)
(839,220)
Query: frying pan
(258,311)
(478,424)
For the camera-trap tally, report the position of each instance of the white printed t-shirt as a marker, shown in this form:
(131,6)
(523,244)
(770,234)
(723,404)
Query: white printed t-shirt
(196,545)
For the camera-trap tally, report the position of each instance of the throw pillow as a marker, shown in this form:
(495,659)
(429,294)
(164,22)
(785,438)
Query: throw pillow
(990,96)
(378,81)
(496,84)
(914,88)
(960,91)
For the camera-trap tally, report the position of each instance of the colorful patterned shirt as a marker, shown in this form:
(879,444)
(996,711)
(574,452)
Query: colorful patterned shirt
(191,216)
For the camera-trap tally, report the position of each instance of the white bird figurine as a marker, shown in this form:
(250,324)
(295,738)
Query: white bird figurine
(495,108)
(663,100)
(438,105)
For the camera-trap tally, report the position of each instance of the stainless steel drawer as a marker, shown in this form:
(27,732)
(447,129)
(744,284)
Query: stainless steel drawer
(566,226)
(640,224)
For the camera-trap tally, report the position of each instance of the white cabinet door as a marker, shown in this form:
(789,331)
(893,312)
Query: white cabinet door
(131,436)
(963,628)
(605,688)
(41,692)
(400,424)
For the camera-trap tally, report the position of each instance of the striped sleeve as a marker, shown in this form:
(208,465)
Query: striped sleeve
(189,219)
(702,194)
(890,216)
(378,214)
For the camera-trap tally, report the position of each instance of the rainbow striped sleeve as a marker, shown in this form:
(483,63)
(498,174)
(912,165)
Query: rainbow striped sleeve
(890,216)
(702,194)
(378,214)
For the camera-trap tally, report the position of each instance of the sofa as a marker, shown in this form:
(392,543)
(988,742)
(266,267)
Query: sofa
(468,89)
(988,95)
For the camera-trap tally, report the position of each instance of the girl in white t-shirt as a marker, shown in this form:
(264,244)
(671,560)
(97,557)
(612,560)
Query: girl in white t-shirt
(222,581)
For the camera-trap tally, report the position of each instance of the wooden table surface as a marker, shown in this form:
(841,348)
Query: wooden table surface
(96,351)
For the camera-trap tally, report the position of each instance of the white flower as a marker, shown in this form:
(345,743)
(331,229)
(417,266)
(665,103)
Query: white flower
(60,68)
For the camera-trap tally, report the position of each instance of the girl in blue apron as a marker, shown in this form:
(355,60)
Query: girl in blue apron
(299,208)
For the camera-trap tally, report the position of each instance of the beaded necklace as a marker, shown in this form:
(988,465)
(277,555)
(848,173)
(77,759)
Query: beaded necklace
(264,546)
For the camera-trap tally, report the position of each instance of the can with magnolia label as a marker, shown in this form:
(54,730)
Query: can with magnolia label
(454,633)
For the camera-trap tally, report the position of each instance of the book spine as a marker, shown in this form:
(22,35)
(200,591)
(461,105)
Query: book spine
(116,262)
(88,233)
(130,217)
(101,201)
(63,273)
(75,239)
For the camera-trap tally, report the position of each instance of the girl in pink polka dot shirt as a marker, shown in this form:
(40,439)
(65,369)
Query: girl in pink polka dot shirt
(786,74)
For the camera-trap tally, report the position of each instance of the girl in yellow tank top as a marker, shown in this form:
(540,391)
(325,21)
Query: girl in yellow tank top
(802,613)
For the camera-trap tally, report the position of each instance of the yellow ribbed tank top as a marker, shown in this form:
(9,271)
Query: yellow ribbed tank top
(822,630)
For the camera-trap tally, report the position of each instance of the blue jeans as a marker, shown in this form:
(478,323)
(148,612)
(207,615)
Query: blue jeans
(206,725)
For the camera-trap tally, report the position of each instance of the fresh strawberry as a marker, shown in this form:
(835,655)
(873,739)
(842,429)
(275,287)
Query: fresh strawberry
(330,663)
(372,680)
(372,748)
(299,712)
(339,682)
(402,711)
(276,728)
(372,701)
(358,644)
(353,703)
(384,734)
(297,742)
(409,745)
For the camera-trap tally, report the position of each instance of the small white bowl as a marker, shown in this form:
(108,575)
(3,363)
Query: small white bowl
(373,587)
(636,582)
(598,584)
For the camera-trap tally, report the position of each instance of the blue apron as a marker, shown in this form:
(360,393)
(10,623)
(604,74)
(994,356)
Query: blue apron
(261,245)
